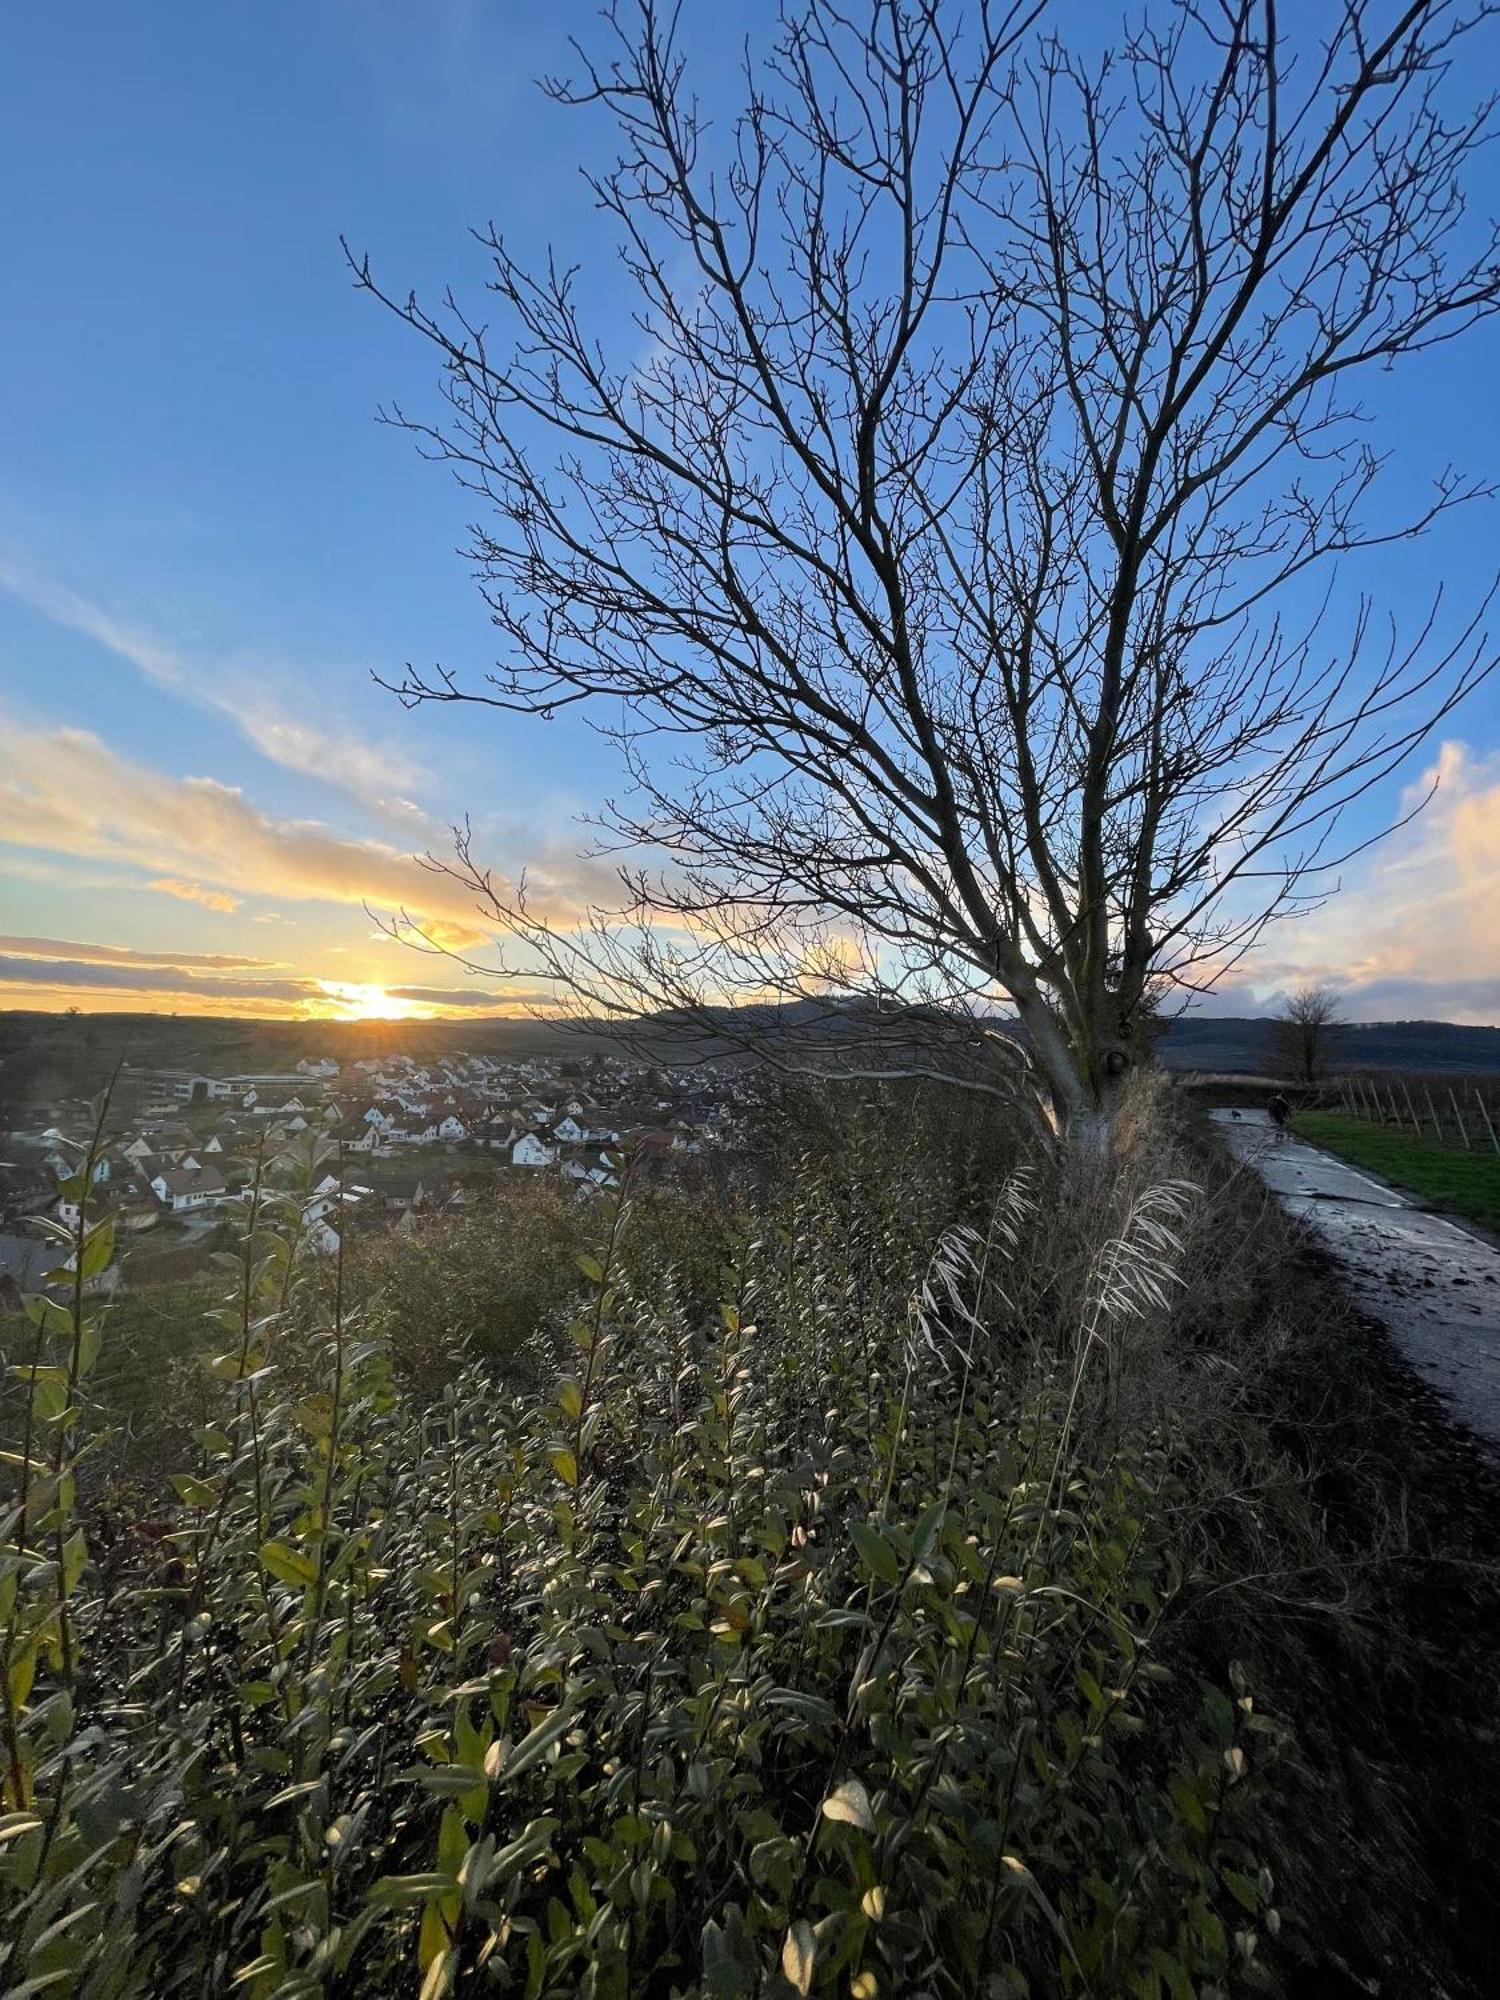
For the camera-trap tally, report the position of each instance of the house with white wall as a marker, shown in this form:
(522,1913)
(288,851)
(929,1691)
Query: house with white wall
(180,1191)
(532,1151)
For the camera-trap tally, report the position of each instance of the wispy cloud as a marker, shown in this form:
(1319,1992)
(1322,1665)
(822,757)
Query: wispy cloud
(509,1001)
(194,892)
(65,791)
(238,687)
(126,955)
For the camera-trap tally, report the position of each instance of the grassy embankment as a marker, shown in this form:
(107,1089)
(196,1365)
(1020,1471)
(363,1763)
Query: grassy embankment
(1466,1183)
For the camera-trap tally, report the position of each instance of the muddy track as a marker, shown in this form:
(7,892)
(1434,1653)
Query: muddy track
(1433,1283)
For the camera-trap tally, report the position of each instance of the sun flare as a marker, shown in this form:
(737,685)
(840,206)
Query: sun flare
(351,1001)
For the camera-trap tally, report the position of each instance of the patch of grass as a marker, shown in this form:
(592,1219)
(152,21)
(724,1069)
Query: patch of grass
(1466,1183)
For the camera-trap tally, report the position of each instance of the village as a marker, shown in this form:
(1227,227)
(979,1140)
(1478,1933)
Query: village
(385,1140)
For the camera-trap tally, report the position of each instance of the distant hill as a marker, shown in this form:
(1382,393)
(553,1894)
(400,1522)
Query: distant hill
(1239,1046)
(48,1057)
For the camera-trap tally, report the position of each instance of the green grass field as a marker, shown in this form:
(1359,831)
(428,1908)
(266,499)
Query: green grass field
(1466,1183)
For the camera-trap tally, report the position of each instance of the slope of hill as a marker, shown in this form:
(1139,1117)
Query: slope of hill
(45,1058)
(1240,1045)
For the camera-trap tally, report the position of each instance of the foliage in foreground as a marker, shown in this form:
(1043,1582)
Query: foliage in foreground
(810,1646)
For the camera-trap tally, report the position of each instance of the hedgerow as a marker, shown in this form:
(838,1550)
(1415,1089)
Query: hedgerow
(813,1644)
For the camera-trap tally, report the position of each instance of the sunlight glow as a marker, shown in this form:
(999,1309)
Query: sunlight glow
(350,1001)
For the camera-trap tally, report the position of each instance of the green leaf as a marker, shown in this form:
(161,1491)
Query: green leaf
(724,1978)
(1220,1714)
(99,1247)
(925,1535)
(286,1565)
(441,1973)
(1189,1805)
(799,1955)
(257,1968)
(850,1804)
(875,1552)
(75,1557)
(411,1889)
(1210,1929)
(591,1268)
(21,1673)
(1171,1969)
(569,1397)
(450,1781)
(810,1708)
(528,1847)
(533,1747)
(1243,1890)
(565,1465)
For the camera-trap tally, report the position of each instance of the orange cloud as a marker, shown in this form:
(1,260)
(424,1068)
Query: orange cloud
(440,932)
(101,978)
(194,892)
(66,791)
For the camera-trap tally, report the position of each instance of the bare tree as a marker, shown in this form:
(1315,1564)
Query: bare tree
(935,545)
(1304,1035)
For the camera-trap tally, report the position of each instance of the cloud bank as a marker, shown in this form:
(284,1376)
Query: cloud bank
(1414,933)
(67,792)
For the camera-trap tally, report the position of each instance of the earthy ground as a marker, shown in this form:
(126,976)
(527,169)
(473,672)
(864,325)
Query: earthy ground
(1433,1284)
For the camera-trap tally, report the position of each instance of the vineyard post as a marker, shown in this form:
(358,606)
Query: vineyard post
(1416,1123)
(1463,1130)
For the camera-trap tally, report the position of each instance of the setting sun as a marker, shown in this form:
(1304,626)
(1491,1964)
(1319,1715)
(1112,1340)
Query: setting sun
(351,1001)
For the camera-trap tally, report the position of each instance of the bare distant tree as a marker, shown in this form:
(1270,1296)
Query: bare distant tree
(936,542)
(1304,1035)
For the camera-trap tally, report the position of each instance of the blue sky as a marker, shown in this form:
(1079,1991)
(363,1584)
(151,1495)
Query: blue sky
(207,543)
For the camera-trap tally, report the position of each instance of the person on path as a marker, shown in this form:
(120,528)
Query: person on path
(1281,1114)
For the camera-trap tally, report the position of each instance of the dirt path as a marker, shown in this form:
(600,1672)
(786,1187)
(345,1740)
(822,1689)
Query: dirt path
(1431,1282)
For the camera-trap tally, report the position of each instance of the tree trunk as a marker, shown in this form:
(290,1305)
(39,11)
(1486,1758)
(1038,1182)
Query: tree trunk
(1090,1132)
(1085,1104)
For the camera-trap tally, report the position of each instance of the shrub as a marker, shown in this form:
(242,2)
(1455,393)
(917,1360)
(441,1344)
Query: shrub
(810,1646)
(484,1281)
